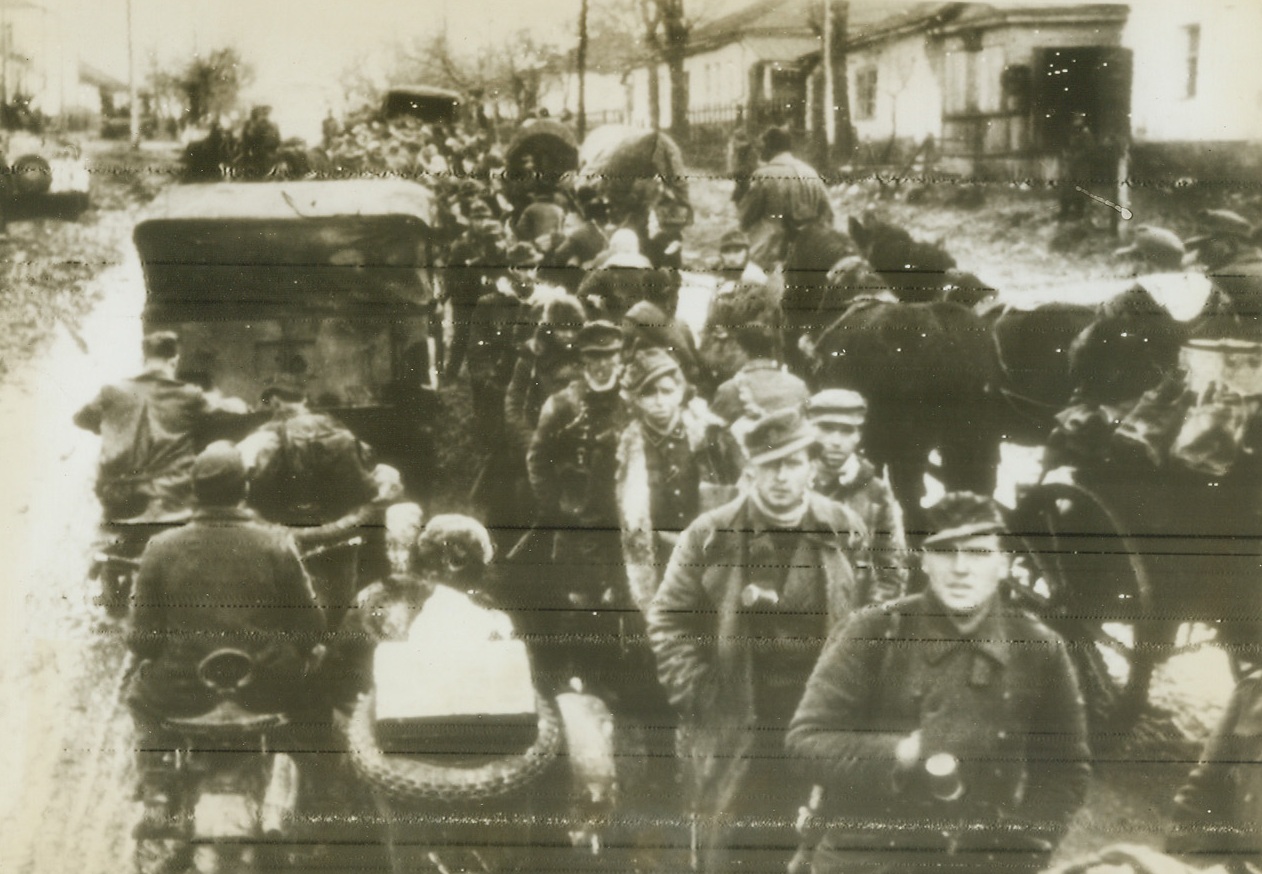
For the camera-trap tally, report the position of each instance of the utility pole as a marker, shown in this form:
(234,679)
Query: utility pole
(582,69)
(826,53)
(133,93)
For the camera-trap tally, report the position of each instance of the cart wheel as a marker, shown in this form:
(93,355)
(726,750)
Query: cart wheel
(1084,577)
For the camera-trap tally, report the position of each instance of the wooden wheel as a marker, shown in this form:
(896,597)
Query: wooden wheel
(1077,569)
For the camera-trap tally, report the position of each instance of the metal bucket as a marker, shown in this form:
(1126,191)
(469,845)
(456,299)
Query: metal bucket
(1234,364)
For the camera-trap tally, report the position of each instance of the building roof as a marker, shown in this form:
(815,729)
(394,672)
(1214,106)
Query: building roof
(90,75)
(954,17)
(789,19)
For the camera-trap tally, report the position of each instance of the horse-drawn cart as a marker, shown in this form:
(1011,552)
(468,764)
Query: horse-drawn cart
(1127,551)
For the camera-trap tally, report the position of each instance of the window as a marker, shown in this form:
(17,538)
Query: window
(1192,35)
(865,93)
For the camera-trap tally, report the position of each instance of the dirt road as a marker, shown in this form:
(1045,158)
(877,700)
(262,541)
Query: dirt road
(65,797)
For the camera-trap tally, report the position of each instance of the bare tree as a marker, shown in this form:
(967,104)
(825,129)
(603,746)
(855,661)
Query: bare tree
(666,31)
(515,72)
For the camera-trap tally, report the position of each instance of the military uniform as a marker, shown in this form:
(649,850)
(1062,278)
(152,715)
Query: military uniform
(1002,699)
(882,568)
(147,427)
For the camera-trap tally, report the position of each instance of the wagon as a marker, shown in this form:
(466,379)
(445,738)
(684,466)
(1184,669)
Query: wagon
(325,280)
(1120,556)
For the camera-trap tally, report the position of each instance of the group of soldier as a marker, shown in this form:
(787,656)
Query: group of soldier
(690,535)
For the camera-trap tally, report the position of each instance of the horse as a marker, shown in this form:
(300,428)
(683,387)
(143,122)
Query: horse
(925,370)
(917,271)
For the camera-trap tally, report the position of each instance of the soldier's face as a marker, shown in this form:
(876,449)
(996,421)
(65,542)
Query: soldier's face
(782,483)
(734,258)
(965,574)
(601,368)
(658,402)
(837,442)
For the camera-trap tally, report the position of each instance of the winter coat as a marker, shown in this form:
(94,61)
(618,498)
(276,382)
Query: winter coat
(706,662)
(1003,700)
(881,570)
(784,195)
(223,580)
(645,540)
(307,469)
(147,429)
(539,372)
(572,460)
(492,353)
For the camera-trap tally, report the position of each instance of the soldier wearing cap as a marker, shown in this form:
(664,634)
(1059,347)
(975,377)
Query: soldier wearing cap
(734,262)
(223,580)
(843,474)
(670,467)
(147,426)
(477,259)
(948,723)
(785,195)
(308,471)
(749,595)
(572,464)
(1233,260)
(742,346)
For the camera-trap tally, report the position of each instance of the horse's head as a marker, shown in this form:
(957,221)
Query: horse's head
(892,250)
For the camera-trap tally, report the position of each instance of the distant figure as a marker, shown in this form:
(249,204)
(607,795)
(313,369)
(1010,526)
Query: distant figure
(329,129)
(735,265)
(260,143)
(1076,165)
(785,195)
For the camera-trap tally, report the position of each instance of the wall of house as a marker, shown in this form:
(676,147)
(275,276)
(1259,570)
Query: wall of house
(906,103)
(718,79)
(1227,103)
(43,64)
(607,97)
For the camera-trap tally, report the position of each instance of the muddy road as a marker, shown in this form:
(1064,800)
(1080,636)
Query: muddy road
(65,794)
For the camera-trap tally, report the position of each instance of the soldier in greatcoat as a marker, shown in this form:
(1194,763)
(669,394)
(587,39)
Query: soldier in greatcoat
(946,728)
(749,595)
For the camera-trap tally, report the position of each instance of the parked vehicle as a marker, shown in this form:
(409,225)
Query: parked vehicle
(327,280)
(425,102)
(41,175)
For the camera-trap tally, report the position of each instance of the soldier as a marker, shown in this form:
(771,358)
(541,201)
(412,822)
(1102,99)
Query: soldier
(949,724)
(308,471)
(224,579)
(749,595)
(477,260)
(843,474)
(1233,260)
(572,463)
(735,265)
(785,195)
(147,426)
(743,346)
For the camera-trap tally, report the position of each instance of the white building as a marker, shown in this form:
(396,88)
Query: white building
(1198,77)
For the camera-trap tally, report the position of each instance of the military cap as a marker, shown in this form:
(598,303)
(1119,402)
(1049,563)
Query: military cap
(161,344)
(837,405)
(734,239)
(599,336)
(523,255)
(1155,244)
(958,515)
(645,366)
(778,434)
(286,386)
(219,474)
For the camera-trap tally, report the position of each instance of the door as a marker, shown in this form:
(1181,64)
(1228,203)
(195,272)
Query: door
(1092,80)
